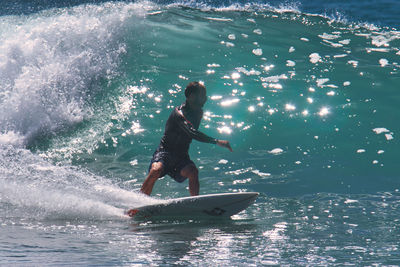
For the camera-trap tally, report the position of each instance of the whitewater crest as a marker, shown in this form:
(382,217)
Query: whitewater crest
(54,63)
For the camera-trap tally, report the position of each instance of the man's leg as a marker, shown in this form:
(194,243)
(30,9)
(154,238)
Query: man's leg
(190,171)
(155,173)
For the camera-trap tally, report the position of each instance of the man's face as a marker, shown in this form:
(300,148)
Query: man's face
(197,100)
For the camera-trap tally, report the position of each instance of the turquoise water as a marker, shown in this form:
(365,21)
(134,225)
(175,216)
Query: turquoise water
(308,102)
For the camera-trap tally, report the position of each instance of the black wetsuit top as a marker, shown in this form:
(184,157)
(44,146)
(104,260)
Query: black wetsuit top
(181,127)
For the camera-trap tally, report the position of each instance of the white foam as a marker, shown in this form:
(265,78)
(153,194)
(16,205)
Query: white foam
(345,42)
(382,50)
(219,19)
(261,174)
(380,130)
(382,40)
(388,136)
(353,62)
(11,138)
(328,36)
(315,58)
(332,43)
(350,201)
(258,31)
(223,161)
(322,81)
(248,72)
(56,203)
(276,151)
(50,65)
(275,78)
(290,63)
(257,52)
(29,183)
(383,62)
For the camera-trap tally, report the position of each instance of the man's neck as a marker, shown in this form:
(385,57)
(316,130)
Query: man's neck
(187,106)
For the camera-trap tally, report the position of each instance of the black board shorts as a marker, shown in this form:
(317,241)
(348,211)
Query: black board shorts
(172,163)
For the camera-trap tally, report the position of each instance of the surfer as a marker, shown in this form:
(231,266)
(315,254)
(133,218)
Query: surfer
(171,156)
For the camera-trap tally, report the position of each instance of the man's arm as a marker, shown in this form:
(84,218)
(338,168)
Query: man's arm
(188,128)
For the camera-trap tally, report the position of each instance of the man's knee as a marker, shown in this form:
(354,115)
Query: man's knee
(156,170)
(191,172)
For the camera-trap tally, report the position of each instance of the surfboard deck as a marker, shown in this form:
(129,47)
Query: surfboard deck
(220,205)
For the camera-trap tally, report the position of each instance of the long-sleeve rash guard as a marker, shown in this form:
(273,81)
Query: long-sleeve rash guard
(181,127)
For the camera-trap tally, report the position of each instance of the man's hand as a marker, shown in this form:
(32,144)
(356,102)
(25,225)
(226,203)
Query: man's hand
(224,143)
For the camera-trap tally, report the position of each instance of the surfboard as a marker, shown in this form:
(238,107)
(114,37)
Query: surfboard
(216,205)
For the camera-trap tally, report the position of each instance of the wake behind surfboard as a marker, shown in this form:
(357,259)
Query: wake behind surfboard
(224,205)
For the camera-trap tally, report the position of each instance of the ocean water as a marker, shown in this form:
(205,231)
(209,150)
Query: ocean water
(306,92)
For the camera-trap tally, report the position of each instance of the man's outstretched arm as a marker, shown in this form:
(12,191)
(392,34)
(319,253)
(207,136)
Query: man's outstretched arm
(188,128)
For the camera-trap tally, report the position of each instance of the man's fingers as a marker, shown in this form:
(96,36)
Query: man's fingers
(229,147)
(224,143)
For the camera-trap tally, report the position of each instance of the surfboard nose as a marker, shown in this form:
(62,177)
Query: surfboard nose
(252,196)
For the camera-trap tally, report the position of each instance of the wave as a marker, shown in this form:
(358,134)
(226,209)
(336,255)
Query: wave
(53,64)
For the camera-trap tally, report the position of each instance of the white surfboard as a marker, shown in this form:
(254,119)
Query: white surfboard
(226,204)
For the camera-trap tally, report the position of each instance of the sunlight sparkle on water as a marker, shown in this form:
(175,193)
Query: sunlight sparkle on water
(383,62)
(290,63)
(331,93)
(273,85)
(235,75)
(229,102)
(213,65)
(323,111)
(269,67)
(216,97)
(257,52)
(224,129)
(137,90)
(290,107)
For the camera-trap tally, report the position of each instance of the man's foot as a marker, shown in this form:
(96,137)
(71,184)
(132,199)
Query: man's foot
(132,212)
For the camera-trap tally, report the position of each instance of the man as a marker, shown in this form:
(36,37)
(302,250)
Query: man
(171,156)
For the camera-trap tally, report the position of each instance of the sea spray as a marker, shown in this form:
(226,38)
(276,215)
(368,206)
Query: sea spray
(36,188)
(55,63)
